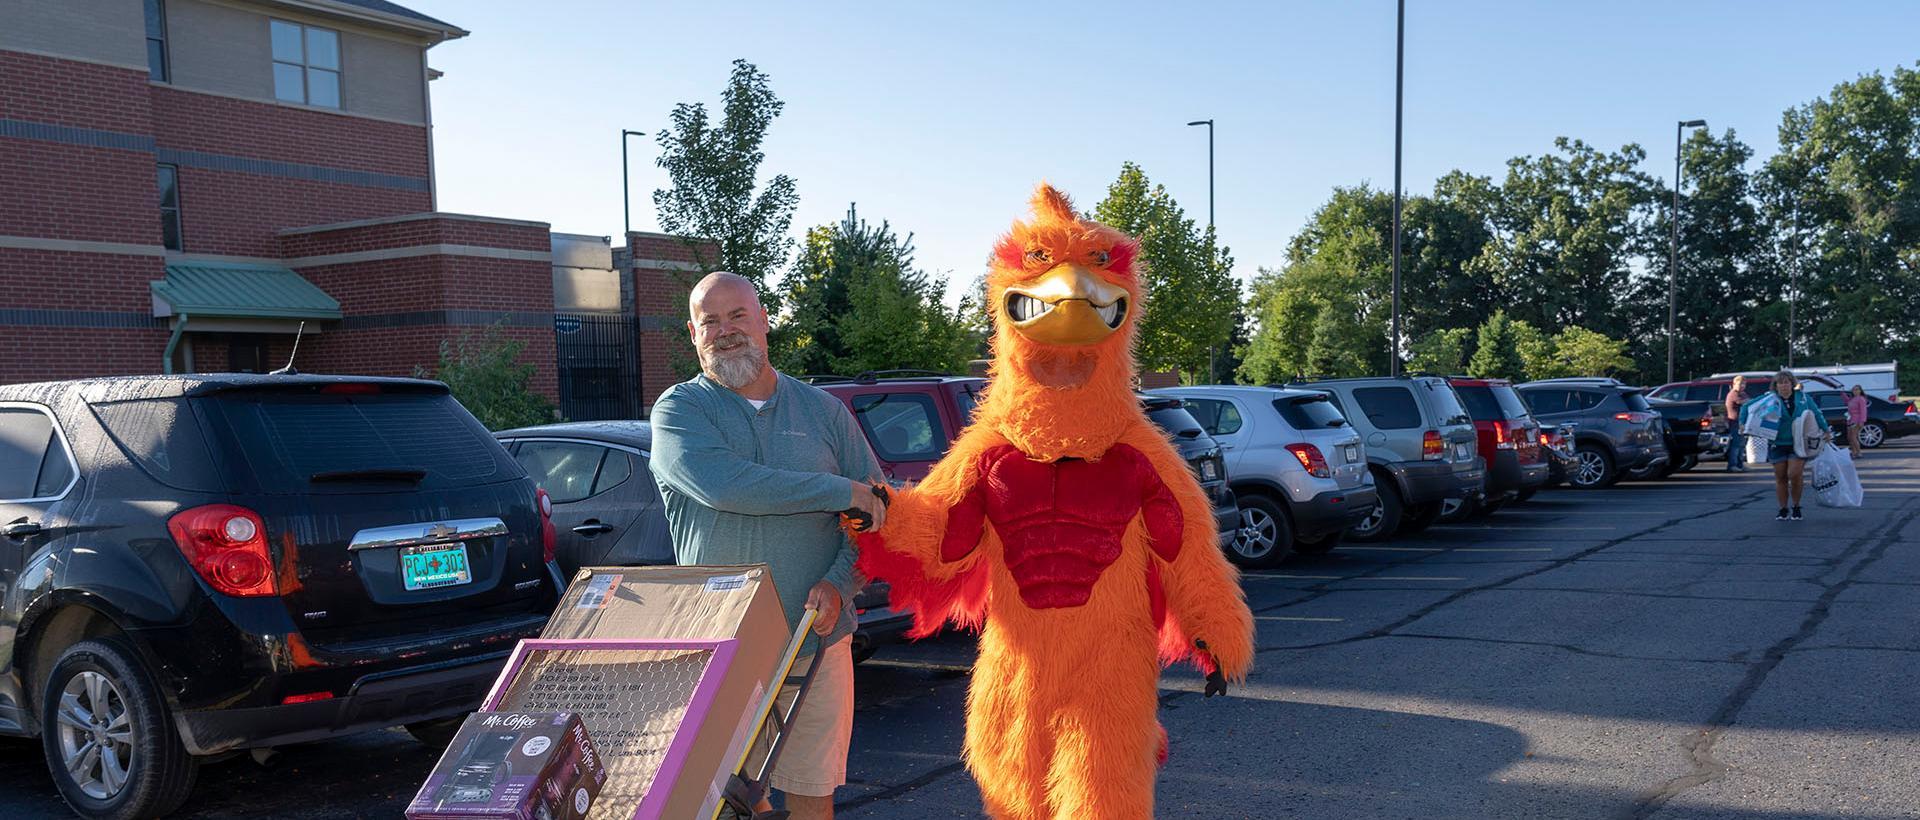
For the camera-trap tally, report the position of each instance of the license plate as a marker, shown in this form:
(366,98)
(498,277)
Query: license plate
(430,566)
(1459,452)
(1352,452)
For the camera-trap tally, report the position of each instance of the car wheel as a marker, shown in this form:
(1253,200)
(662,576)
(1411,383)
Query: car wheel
(109,741)
(1264,538)
(436,733)
(1872,435)
(1592,468)
(1419,517)
(1318,545)
(1384,521)
(1456,510)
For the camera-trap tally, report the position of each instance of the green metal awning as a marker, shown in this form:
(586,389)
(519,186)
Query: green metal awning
(207,290)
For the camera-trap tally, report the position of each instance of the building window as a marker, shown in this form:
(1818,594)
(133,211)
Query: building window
(170,207)
(157,40)
(306,64)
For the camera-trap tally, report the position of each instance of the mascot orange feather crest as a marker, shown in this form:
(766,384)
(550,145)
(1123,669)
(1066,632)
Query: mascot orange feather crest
(1065,527)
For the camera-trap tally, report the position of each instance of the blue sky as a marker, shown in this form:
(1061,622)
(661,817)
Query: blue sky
(941,117)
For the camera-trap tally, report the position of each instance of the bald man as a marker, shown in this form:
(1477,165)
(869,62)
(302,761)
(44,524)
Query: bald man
(755,467)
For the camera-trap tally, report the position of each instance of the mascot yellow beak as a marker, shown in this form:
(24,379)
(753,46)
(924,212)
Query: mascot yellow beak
(1068,305)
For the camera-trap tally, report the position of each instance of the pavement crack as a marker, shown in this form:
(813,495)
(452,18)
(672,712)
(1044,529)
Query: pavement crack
(1699,745)
(1580,650)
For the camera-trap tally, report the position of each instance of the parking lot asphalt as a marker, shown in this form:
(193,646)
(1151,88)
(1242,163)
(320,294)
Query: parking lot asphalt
(1661,649)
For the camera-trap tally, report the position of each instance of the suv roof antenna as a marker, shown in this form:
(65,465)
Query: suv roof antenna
(288,370)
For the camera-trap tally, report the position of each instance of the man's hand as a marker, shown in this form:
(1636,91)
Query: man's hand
(868,508)
(824,599)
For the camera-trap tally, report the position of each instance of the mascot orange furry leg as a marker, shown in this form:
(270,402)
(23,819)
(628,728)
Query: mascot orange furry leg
(1066,528)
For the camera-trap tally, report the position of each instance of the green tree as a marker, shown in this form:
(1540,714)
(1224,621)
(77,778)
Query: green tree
(714,169)
(859,304)
(1188,280)
(1442,351)
(1587,353)
(485,374)
(1495,354)
(1537,353)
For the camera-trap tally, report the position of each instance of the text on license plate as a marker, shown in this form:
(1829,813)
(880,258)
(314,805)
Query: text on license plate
(434,565)
(1352,452)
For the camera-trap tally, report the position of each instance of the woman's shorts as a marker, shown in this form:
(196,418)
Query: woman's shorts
(1781,452)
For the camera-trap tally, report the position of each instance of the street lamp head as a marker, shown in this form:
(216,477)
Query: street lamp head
(1201,122)
(1694,124)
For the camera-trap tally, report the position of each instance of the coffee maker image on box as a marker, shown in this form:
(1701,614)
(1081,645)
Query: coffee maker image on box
(483,765)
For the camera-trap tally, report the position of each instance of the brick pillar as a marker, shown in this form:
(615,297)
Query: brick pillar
(663,270)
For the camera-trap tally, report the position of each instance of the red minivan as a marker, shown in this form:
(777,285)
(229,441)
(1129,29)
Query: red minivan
(1509,439)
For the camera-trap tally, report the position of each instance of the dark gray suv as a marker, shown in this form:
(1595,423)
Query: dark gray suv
(1615,428)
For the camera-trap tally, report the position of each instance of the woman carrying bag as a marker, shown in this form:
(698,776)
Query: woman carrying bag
(1781,418)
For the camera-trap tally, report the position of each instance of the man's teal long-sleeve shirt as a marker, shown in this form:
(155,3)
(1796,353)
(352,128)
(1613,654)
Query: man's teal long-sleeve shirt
(747,486)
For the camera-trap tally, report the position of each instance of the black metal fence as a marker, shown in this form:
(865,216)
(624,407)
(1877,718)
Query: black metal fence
(599,362)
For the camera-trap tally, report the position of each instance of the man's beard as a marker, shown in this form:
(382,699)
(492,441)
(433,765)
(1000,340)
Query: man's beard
(734,368)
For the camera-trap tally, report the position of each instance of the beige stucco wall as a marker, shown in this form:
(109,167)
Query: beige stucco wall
(102,31)
(226,48)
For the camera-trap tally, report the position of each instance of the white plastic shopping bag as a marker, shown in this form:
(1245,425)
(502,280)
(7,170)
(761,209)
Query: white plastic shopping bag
(1756,448)
(1835,481)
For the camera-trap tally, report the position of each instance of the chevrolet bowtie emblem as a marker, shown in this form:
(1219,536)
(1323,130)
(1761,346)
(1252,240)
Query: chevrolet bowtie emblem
(440,531)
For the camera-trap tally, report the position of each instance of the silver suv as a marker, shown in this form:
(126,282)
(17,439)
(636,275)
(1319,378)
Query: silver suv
(1296,465)
(1421,447)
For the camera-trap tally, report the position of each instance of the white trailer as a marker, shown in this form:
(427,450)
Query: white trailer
(1878,379)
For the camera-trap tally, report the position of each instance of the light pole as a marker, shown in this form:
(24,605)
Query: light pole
(1673,247)
(1209,125)
(1212,359)
(1399,87)
(626,199)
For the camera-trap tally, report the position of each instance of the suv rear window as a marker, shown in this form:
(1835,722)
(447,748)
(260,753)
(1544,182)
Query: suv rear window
(901,426)
(1445,404)
(162,438)
(1389,408)
(1491,402)
(1310,412)
(289,438)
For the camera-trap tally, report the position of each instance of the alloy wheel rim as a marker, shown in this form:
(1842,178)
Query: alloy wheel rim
(1871,435)
(1372,521)
(1256,535)
(1591,468)
(1449,507)
(95,735)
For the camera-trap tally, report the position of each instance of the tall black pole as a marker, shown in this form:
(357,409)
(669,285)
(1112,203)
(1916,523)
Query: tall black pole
(1673,246)
(1399,85)
(1209,174)
(626,199)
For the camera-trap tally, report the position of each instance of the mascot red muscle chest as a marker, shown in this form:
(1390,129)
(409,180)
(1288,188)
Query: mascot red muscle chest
(1065,527)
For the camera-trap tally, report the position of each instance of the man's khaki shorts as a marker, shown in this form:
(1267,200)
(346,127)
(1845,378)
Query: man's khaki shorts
(813,757)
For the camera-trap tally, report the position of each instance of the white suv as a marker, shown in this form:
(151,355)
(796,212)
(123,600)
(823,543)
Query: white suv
(1296,465)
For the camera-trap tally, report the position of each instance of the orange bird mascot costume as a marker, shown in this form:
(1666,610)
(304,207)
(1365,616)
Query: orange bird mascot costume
(1065,527)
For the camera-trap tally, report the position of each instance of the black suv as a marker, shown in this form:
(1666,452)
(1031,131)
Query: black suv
(196,565)
(1615,428)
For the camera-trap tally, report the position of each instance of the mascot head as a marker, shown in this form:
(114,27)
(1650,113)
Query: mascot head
(1065,296)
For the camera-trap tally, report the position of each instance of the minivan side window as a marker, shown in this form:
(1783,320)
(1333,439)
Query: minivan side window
(1388,408)
(34,462)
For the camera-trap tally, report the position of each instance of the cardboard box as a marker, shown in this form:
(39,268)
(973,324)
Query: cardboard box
(519,765)
(675,603)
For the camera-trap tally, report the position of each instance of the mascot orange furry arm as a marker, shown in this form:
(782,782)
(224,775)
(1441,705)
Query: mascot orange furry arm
(1065,527)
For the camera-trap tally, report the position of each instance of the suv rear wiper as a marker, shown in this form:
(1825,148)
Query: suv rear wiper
(406,474)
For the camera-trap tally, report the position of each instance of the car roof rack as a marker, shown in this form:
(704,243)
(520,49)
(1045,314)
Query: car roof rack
(877,376)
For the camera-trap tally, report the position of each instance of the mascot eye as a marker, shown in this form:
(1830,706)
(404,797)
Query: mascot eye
(1037,255)
(1101,257)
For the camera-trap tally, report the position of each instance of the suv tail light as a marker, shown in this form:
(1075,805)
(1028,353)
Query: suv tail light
(1633,417)
(1503,436)
(549,541)
(1706,422)
(1431,447)
(227,546)
(1311,459)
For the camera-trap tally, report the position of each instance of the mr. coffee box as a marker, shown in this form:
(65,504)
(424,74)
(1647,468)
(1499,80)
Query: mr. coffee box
(520,765)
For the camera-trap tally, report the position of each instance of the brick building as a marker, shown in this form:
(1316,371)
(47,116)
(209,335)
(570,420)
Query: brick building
(183,182)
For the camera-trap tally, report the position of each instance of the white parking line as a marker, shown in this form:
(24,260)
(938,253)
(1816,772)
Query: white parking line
(1515,529)
(1345,548)
(1297,618)
(1288,577)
